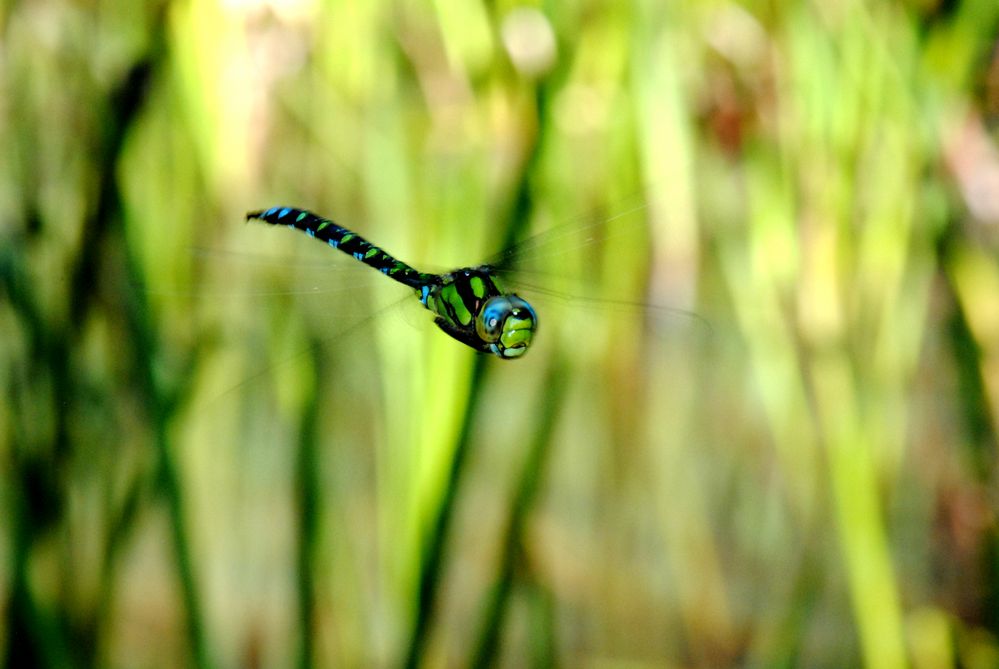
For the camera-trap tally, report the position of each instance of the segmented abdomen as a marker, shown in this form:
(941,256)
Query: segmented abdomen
(343,239)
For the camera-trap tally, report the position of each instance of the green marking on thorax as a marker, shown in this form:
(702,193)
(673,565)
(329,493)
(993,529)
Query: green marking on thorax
(450,294)
(478,287)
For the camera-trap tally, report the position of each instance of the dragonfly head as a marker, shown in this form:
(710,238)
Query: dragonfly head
(507,324)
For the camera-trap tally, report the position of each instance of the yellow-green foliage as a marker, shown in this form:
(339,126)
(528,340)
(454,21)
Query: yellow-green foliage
(758,424)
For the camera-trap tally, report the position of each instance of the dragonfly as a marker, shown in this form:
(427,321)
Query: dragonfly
(469,304)
(473,304)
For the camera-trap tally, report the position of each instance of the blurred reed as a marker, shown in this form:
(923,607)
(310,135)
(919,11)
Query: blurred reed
(214,461)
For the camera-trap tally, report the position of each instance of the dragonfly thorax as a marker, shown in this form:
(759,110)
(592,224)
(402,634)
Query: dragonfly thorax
(471,306)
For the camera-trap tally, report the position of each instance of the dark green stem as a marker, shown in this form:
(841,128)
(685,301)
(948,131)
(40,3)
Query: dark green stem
(983,441)
(486,648)
(308,502)
(432,559)
(431,564)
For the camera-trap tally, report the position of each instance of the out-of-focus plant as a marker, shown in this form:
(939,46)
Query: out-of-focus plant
(221,445)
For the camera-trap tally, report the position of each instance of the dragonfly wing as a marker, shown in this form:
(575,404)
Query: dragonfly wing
(599,265)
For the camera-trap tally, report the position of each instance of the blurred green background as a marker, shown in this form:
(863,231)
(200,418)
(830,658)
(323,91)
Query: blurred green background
(223,444)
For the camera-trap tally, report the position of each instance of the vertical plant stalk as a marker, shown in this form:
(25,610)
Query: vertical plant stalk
(485,652)
(34,637)
(145,348)
(104,243)
(307,498)
(982,441)
(432,557)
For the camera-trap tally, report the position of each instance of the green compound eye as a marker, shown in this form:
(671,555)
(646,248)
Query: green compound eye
(507,323)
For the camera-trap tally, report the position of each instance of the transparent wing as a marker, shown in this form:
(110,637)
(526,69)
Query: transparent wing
(596,263)
(543,252)
(657,315)
(258,314)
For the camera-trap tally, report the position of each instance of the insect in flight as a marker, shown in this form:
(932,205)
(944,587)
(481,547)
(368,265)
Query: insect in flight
(469,304)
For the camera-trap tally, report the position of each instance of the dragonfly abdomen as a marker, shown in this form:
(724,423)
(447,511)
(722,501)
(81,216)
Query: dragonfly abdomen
(344,240)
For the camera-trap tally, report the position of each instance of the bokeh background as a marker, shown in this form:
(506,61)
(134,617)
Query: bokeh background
(758,427)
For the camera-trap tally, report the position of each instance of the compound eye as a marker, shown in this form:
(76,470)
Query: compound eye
(489,324)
